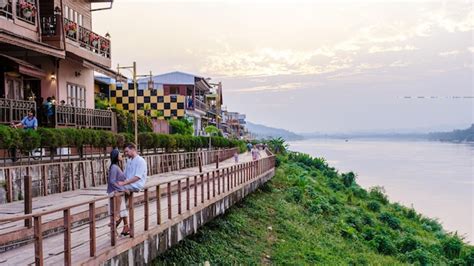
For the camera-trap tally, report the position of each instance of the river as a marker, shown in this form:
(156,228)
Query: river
(436,178)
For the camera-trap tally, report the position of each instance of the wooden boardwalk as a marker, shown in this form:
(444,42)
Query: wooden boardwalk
(191,189)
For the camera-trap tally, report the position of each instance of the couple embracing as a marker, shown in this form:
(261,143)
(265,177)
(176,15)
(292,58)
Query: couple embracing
(132,180)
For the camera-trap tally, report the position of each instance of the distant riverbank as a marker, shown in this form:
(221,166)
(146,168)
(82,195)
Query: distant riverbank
(436,177)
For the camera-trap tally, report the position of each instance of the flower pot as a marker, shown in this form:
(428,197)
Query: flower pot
(27,13)
(95,43)
(71,32)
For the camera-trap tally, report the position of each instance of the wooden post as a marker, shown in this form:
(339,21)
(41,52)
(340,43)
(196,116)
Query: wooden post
(146,208)
(217,161)
(213,184)
(169,200)
(61,181)
(92,243)
(9,185)
(67,236)
(131,215)
(44,180)
(200,164)
(92,174)
(113,214)
(228,179)
(83,174)
(202,188)
(38,234)
(73,185)
(208,187)
(104,174)
(28,199)
(218,182)
(195,191)
(158,205)
(188,198)
(179,196)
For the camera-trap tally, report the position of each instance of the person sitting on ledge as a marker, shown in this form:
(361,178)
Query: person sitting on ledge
(135,174)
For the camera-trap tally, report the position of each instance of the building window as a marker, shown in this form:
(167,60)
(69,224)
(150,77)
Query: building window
(174,90)
(76,95)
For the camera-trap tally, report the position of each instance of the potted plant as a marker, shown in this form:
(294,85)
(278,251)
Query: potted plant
(28,9)
(71,28)
(94,39)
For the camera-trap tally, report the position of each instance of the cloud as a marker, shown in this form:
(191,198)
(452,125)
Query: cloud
(399,63)
(471,49)
(378,49)
(270,88)
(449,53)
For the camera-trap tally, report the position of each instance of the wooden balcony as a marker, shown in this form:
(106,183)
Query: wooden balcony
(79,40)
(68,116)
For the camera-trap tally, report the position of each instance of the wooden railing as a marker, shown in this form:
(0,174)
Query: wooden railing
(198,104)
(68,116)
(197,190)
(14,110)
(86,38)
(57,177)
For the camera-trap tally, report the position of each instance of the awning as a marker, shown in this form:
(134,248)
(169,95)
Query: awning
(23,67)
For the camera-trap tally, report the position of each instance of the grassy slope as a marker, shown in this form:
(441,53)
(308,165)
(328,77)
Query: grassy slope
(315,218)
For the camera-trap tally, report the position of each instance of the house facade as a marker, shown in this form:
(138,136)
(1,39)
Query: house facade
(48,49)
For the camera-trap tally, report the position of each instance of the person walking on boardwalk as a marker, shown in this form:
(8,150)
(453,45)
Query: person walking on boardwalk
(255,153)
(116,174)
(135,174)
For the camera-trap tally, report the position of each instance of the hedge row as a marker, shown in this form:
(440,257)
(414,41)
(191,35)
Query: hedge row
(27,140)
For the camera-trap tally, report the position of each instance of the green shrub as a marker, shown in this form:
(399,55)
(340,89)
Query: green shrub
(295,194)
(15,137)
(181,126)
(419,256)
(389,219)
(407,244)
(452,246)
(31,140)
(373,206)
(348,179)
(378,193)
(5,137)
(383,245)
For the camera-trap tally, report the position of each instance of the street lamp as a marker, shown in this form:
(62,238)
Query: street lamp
(151,85)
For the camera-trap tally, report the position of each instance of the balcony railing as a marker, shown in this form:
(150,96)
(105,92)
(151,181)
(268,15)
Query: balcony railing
(87,38)
(14,110)
(7,11)
(200,105)
(68,116)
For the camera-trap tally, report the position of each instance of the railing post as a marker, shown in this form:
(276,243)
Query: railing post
(158,205)
(228,179)
(38,234)
(113,214)
(179,196)
(202,188)
(217,161)
(92,243)
(44,180)
(213,184)
(131,215)
(169,201)
(9,185)
(195,191)
(188,198)
(200,164)
(218,182)
(61,181)
(28,199)
(146,208)
(67,236)
(208,187)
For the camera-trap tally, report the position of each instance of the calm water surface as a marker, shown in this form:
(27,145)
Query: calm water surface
(436,178)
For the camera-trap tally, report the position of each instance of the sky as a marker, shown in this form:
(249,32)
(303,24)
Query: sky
(312,66)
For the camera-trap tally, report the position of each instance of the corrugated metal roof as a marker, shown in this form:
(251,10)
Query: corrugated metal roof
(176,77)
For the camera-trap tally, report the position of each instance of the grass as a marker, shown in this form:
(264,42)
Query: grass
(311,214)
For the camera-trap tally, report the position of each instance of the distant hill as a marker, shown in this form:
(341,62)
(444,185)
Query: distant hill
(261,131)
(458,135)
